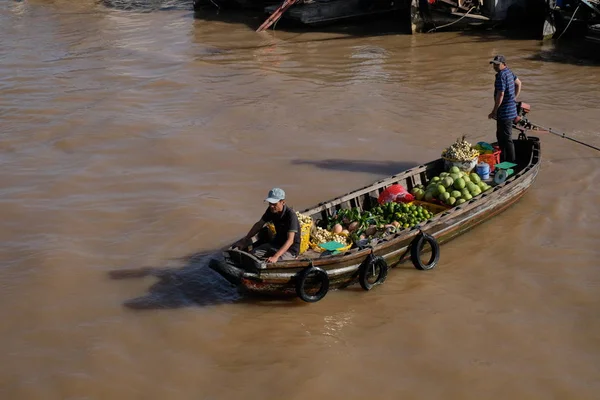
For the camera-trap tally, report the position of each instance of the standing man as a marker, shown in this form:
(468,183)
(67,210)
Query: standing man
(506,90)
(286,244)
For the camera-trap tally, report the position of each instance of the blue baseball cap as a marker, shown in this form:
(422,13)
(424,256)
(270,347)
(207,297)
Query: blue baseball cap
(499,59)
(275,195)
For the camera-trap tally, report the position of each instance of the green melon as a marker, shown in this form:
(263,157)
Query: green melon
(459,183)
(474,177)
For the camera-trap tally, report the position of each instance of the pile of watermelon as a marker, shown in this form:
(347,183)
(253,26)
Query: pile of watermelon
(451,188)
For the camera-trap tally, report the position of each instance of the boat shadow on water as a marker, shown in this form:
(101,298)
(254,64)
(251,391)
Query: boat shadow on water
(192,285)
(367,166)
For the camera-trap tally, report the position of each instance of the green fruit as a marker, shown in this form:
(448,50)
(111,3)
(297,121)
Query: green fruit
(467,196)
(435,179)
(444,174)
(420,194)
(466,178)
(447,182)
(455,176)
(456,194)
(471,186)
(454,170)
(481,185)
(450,201)
(460,201)
(444,196)
(474,177)
(429,196)
(459,183)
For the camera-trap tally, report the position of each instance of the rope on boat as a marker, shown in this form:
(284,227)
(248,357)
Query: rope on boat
(451,23)
(561,134)
(571,20)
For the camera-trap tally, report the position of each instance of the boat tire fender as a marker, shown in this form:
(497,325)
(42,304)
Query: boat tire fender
(371,263)
(416,247)
(301,279)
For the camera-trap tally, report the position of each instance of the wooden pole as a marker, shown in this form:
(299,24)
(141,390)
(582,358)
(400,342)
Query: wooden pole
(276,15)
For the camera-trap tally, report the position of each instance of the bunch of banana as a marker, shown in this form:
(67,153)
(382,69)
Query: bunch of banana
(460,150)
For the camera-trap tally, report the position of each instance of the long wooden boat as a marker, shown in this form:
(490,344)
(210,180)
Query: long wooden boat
(290,277)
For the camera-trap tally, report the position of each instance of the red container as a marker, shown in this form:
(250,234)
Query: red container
(496,154)
(491,159)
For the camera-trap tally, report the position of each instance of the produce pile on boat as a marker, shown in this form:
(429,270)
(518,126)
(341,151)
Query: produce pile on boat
(448,189)
(352,225)
(460,151)
(321,235)
(304,219)
(451,188)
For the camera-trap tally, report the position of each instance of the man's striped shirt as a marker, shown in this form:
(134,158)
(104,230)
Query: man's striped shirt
(505,82)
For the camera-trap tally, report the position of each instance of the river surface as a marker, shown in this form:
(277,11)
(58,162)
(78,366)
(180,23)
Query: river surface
(150,137)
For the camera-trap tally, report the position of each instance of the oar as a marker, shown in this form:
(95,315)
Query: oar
(563,135)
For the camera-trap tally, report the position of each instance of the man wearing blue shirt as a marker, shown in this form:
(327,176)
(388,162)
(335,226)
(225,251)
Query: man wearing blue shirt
(506,90)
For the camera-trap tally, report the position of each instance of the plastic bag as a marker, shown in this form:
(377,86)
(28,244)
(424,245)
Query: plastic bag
(484,148)
(397,193)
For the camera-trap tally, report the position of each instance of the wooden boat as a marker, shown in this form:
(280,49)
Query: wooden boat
(323,12)
(312,274)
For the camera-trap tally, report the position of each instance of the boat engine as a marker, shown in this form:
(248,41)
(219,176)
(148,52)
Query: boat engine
(521,122)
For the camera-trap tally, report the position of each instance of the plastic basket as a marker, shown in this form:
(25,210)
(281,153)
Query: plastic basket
(491,159)
(464,166)
(320,249)
(304,234)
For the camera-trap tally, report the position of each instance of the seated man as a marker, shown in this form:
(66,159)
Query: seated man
(286,243)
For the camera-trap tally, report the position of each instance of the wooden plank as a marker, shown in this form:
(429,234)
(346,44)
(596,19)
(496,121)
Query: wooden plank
(593,39)
(374,189)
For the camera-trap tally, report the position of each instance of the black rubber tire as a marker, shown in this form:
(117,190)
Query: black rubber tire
(301,282)
(417,246)
(367,266)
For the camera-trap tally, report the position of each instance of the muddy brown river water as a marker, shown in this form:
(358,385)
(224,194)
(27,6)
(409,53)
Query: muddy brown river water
(133,139)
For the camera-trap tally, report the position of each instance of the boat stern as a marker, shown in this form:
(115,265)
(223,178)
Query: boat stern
(236,266)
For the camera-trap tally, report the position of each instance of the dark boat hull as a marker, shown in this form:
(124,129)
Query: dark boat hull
(324,12)
(243,269)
